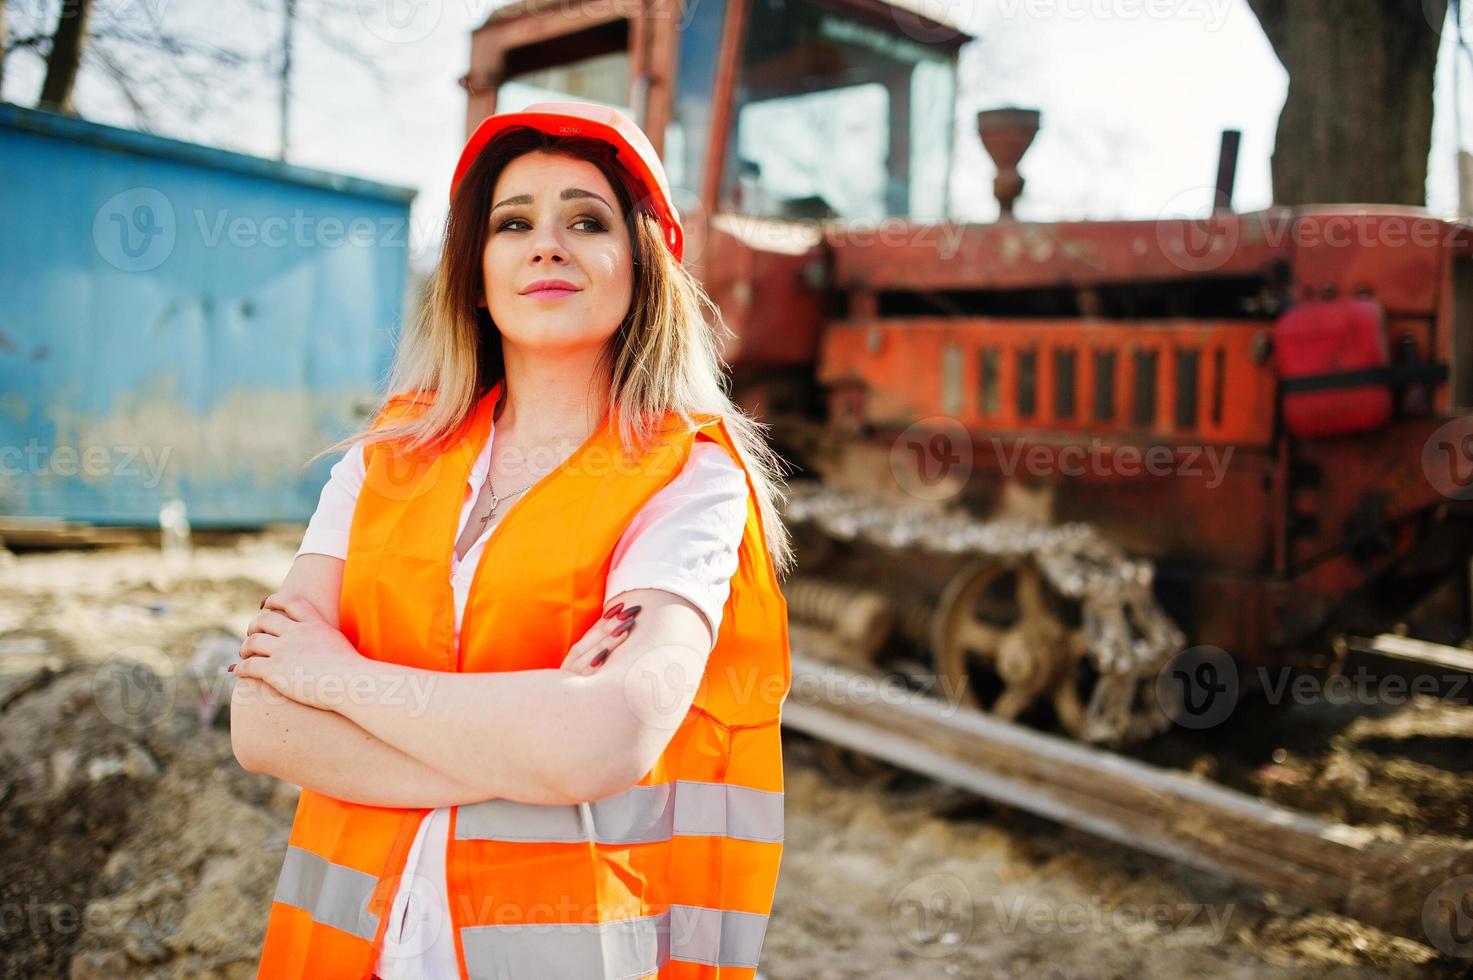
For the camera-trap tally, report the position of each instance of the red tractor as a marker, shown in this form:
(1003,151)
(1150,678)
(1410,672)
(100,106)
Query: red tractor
(1043,458)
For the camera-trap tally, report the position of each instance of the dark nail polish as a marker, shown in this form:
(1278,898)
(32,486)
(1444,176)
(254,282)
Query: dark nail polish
(625,627)
(614,611)
(601,657)
(630,612)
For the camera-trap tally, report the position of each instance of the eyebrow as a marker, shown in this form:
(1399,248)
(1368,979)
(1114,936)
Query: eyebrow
(568,194)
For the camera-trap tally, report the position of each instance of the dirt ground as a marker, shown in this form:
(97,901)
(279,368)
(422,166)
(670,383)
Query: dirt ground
(132,845)
(1362,752)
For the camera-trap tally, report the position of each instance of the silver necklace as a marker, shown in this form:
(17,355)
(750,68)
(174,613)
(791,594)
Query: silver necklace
(496,500)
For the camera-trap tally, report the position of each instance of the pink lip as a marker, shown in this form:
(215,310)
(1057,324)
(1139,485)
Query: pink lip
(549,293)
(550,289)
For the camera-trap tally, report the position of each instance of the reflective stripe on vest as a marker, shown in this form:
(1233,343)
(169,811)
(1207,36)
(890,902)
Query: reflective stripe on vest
(338,896)
(638,815)
(331,893)
(624,948)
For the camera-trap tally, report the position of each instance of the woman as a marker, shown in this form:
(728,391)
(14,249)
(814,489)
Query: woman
(501,777)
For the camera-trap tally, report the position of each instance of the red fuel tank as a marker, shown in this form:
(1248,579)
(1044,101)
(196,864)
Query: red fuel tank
(1318,339)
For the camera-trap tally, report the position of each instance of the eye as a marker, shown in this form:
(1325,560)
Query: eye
(597,226)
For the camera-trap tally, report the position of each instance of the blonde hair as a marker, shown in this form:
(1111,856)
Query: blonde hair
(663,358)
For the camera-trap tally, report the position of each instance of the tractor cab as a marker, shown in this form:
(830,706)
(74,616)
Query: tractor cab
(771,109)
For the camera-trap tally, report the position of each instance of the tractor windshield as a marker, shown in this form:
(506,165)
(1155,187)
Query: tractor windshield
(590,65)
(838,114)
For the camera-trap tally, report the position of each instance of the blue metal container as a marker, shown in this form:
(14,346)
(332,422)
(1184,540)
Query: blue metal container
(178,320)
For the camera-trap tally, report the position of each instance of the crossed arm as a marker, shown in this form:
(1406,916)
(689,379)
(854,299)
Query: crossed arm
(537,736)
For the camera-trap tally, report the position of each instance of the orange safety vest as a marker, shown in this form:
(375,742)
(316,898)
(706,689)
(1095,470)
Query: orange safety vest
(673,877)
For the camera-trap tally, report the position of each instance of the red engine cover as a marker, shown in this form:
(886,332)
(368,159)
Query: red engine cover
(1329,337)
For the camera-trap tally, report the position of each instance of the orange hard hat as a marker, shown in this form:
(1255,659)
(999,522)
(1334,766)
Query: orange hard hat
(634,150)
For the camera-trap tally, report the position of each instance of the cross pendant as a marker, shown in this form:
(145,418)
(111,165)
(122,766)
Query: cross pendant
(495,502)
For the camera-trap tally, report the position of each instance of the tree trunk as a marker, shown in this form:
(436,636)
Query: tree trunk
(66,56)
(1357,123)
(4,45)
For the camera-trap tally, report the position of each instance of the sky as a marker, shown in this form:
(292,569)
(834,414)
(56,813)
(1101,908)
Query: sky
(1134,96)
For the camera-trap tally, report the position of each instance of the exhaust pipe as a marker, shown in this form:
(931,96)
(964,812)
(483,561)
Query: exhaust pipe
(1006,134)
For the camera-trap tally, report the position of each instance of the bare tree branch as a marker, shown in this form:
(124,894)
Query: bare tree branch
(154,63)
(177,47)
(29,41)
(125,83)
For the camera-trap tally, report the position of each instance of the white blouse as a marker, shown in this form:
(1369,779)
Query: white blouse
(684,541)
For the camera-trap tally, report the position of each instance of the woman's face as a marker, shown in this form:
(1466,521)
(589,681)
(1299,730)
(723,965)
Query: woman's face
(556,217)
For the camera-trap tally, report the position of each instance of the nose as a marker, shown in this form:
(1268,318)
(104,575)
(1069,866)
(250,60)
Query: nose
(547,245)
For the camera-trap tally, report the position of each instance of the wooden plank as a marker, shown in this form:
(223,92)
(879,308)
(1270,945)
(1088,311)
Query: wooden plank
(1416,651)
(42,532)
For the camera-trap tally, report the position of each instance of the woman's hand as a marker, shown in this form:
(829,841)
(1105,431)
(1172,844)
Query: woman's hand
(594,647)
(292,648)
